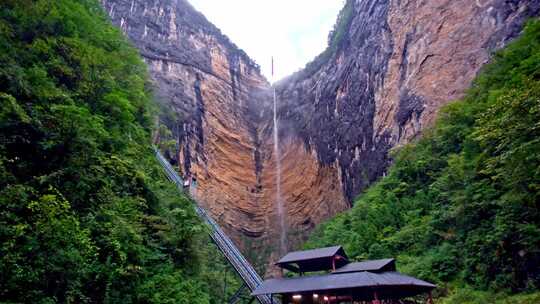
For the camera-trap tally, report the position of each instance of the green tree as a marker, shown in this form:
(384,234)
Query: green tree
(461,205)
(86,213)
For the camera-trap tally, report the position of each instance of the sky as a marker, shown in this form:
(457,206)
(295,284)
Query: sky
(292,31)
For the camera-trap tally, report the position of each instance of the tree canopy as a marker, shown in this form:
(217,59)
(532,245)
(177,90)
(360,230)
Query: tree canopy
(86,214)
(461,206)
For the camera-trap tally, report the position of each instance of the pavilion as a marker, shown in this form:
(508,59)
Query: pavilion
(340,281)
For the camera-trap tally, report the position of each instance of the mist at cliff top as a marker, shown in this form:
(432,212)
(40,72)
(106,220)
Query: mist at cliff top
(294,32)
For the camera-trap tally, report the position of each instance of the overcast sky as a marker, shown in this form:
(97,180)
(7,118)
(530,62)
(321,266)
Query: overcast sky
(293,31)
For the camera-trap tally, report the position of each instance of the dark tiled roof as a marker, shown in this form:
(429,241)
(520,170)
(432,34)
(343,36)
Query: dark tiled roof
(359,284)
(312,254)
(373,266)
(314,260)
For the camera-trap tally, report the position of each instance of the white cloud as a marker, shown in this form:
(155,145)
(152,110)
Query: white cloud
(293,31)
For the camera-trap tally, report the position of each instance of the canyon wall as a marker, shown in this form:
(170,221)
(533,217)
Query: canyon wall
(388,69)
(218,107)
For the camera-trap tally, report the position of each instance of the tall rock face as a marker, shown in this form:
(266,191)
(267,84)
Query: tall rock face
(213,94)
(219,109)
(390,65)
(389,68)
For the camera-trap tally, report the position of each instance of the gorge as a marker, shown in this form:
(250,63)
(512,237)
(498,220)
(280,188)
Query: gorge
(389,67)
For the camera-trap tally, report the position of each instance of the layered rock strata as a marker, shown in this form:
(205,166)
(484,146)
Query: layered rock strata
(390,66)
(389,69)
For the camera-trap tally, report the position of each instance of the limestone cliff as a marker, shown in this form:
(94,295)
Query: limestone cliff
(390,65)
(214,94)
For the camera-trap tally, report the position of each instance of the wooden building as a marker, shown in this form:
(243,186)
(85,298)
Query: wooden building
(339,281)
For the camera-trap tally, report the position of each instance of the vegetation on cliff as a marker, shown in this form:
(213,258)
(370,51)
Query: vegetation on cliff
(337,38)
(460,207)
(86,215)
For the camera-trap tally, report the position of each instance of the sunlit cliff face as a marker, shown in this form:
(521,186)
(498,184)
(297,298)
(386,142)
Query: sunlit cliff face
(397,63)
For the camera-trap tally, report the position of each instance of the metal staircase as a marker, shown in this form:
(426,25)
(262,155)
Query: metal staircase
(244,269)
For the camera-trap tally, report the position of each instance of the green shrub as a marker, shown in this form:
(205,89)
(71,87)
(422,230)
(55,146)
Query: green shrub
(86,213)
(461,204)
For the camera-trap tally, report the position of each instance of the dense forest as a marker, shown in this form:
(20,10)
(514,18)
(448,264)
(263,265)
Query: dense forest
(86,214)
(461,206)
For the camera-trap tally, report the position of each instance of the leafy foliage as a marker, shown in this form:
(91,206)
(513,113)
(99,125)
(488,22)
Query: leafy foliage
(86,215)
(461,205)
(337,38)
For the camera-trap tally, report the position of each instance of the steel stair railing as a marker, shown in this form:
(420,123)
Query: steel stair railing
(244,269)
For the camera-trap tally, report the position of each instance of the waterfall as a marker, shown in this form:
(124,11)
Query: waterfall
(279,200)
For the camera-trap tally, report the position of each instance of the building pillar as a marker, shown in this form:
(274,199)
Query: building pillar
(430,298)
(375,298)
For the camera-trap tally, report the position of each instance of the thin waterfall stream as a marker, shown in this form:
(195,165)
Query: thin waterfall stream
(279,200)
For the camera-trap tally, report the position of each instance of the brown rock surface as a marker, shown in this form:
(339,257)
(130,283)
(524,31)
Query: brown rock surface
(439,47)
(392,66)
